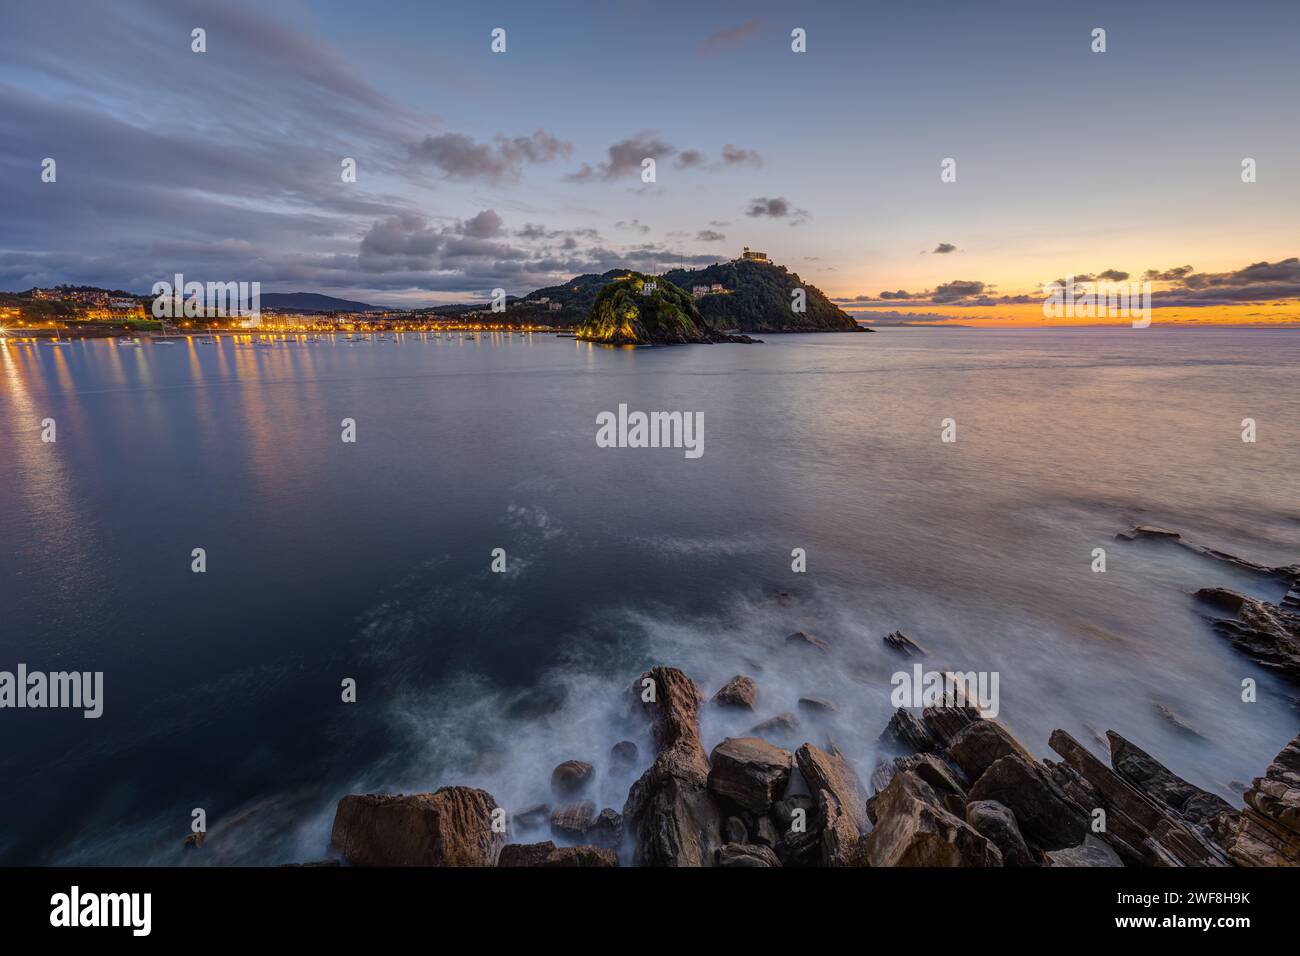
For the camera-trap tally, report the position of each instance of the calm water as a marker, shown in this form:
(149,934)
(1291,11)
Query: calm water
(371,560)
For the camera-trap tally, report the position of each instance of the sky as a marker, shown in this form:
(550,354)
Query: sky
(478,170)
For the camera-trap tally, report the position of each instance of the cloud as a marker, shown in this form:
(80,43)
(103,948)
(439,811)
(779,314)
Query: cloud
(728,38)
(1168,275)
(735,156)
(709,235)
(956,290)
(1257,282)
(777,207)
(689,158)
(944,248)
(633,225)
(483,226)
(460,157)
(625,156)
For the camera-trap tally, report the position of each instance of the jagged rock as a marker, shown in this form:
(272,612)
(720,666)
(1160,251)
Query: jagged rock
(1047,817)
(746,854)
(802,639)
(797,847)
(740,691)
(1268,634)
(839,834)
(749,772)
(980,743)
(194,841)
(913,830)
(571,777)
(945,722)
(829,770)
(1162,838)
(1151,777)
(1146,530)
(531,818)
(669,811)
(906,730)
(904,644)
(943,778)
(1267,831)
(573,820)
(1177,720)
(1091,852)
(776,726)
(817,705)
(765,832)
(549,855)
(622,756)
(997,824)
(607,829)
(450,827)
(734,830)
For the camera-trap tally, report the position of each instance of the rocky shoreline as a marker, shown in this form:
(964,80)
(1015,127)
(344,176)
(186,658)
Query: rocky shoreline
(958,790)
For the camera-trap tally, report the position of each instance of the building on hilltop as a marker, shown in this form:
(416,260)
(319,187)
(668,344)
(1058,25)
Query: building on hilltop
(755,256)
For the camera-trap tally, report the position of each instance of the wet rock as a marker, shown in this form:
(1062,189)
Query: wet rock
(549,855)
(906,730)
(747,854)
(669,811)
(1160,837)
(805,640)
(571,777)
(734,830)
(622,756)
(1268,634)
(903,644)
(607,829)
(777,726)
(1047,817)
(572,821)
(1091,852)
(1267,831)
(450,827)
(817,705)
(912,830)
(976,746)
(944,723)
(839,834)
(1151,777)
(798,826)
(997,824)
(829,770)
(740,691)
(766,832)
(532,817)
(1177,720)
(749,772)
(1147,531)
(943,778)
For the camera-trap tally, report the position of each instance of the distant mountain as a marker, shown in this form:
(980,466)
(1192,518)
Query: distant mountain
(313,302)
(756,297)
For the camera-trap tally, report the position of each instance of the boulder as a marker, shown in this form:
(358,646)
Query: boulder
(669,811)
(607,829)
(1268,634)
(749,772)
(829,770)
(839,834)
(943,723)
(532,817)
(903,644)
(912,830)
(450,827)
(1151,777)
(997,824)
(976,746)
(1091,852)
(548,855)
(1047,817)
(746,854)
(622,756)
(734,830)
(776,726)
(740,691)
(817,705)
(797,847)
(907,731)
(808,641)
(571,777)
(572,821)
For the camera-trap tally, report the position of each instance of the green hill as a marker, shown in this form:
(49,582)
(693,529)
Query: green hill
(637,309)
(758,299)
